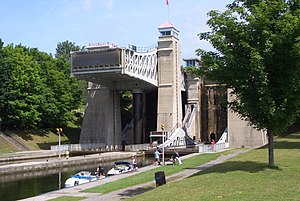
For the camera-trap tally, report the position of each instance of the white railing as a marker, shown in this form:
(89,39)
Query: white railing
(210,147)
(141,65)
(138,147)
(100,147)
(80,147)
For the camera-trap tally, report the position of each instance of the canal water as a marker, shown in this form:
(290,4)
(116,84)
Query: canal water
(20,186)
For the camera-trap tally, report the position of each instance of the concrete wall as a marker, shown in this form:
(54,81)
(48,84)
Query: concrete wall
(241,134)
(64,162)
(193,88)
(102,117)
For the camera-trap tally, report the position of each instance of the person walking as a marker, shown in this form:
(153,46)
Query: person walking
(213,145)
(134,162)
(100,171)
(177,157)
(157,156)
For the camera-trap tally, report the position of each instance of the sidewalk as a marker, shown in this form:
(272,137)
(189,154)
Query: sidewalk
(131,191)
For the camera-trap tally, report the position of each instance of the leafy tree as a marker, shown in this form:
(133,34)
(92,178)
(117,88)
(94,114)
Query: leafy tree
(21,88)
(257,54)
(49,105)
(36,89)
(126,107)
(62,54)
(61,96)
(63,49)
(1,43)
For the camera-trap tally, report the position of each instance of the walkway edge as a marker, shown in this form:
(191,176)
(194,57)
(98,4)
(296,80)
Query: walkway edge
(121,194)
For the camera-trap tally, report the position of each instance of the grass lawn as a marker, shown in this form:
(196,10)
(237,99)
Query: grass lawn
(148,176)
(42,138)
(68,198)
(244,177)
(5,147)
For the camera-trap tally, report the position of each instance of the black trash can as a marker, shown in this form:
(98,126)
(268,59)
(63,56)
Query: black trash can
(160,178)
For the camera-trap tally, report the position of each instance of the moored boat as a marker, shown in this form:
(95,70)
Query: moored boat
(80,178)
(120,167)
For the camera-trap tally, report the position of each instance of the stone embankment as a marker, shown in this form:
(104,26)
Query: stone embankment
(55,162)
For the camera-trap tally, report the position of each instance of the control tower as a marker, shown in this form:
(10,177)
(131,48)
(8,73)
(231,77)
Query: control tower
(169,108)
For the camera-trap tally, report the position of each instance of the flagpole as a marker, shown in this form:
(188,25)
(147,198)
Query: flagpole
(167,2)
(168,13)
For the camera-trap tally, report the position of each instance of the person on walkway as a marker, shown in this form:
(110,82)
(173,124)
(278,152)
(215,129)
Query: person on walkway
(213,145)
(176,156)
(100,171)
(157,156)
(134,162)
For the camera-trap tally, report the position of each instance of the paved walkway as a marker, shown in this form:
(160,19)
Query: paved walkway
(131,191)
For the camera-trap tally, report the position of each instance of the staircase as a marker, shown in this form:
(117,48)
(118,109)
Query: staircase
(179,136)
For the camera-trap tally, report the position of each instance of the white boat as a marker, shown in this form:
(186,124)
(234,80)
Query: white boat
(80,178)
(120,167)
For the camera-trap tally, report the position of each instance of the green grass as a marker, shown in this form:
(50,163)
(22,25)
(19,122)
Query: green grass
(244,177)
(5,147)
(148,176)
(68,198)
(42,138)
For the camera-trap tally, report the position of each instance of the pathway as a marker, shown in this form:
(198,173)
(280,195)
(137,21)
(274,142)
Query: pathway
(131,191)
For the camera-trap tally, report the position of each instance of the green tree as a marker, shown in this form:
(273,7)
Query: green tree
(21,88)
(257,54)
(50,114)
(126,107)
(62,54)
(64,48)
(1,43)
(36,89)
(61,95)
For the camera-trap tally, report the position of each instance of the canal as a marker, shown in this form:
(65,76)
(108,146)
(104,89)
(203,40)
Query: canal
(20,186)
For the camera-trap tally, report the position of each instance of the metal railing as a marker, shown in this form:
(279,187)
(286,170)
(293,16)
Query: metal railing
(214,147)
(100,147)
(142,49)
(134,147)
(81,147)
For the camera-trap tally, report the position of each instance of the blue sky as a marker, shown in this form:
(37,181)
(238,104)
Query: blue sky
(44,23)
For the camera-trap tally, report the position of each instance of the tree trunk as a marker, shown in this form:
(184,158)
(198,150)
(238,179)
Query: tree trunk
(271,148)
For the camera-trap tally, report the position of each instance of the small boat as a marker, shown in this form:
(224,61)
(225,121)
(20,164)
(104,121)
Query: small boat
(120,167)
(80,178)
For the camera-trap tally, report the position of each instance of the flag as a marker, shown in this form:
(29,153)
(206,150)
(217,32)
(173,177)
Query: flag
(167,2)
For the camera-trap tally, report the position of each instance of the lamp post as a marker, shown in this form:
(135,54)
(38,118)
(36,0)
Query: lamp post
(163,142)
(59,130)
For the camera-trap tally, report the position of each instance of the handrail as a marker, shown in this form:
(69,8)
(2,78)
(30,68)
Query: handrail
(190,120)
(170,133)
(127,126)
(186,117)
(142,49)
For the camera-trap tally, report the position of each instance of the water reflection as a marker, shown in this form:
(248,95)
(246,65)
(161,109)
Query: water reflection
(20,186)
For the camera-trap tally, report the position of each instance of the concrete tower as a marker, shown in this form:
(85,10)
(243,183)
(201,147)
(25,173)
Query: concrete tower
(169,108)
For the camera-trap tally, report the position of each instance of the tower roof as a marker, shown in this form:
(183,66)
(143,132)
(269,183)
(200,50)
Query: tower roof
(167,25)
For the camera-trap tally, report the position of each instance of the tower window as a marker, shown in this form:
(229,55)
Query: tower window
(166,33)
